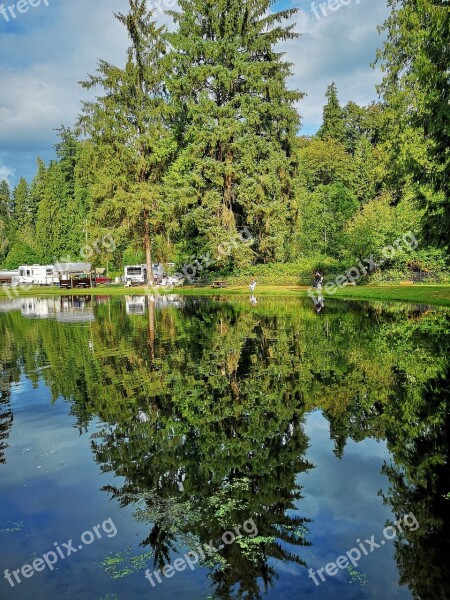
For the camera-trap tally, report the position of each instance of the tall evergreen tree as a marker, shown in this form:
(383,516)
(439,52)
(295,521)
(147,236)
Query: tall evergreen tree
(5,198)
(416,86)
(66,151)
(4,217)
(128,127)
(51,225)
(333,125)
(37,188)
(21,198)
(236,124)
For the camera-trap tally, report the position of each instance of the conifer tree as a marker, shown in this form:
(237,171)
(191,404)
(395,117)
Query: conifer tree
(127,126)
(21,197)
(5,199)
(4,217)
(37,188)
(236,124)
(416,86)
(333,125)
(52,226)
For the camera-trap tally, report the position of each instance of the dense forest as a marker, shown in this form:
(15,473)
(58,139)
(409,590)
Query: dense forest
(197,137)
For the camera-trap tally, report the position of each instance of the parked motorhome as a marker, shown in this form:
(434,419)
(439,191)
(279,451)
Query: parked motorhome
(137,274)
(36,275)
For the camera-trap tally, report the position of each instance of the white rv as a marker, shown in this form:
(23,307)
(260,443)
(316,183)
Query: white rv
(36,275)
(137,274)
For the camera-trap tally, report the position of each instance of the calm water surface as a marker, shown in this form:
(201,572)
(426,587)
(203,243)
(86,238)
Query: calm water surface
(134,431)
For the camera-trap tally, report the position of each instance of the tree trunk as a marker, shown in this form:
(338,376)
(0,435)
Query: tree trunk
(148,250)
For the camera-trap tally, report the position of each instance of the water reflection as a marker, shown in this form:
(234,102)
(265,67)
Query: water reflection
(203,407)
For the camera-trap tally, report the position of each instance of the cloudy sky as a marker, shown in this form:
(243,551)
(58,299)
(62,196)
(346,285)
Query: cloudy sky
(46,50)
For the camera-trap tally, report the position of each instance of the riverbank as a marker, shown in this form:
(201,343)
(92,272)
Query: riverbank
(425,294)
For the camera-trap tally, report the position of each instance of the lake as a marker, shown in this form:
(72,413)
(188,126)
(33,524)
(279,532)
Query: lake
(201,448)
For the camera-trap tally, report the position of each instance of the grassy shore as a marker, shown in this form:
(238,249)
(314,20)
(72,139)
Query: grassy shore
(424,294)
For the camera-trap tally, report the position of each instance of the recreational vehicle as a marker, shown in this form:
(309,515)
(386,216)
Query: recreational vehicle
(7,276)
(36,275)
(137,274)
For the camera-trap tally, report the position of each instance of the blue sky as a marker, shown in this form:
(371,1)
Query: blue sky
(45,51)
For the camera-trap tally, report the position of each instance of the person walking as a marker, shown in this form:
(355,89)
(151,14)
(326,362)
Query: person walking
(252,285)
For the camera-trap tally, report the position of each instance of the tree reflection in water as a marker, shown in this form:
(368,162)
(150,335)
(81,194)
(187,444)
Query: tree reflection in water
(204,402)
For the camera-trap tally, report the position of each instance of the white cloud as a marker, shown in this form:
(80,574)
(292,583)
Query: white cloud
(339,48)
(45,52)
(5,172)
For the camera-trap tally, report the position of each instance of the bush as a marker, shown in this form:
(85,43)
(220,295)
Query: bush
(298,273)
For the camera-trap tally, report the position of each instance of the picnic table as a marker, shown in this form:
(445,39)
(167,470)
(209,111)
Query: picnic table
(219,284)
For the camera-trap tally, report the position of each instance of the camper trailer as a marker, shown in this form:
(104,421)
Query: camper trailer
(36,275)
(137,274)
(7,276)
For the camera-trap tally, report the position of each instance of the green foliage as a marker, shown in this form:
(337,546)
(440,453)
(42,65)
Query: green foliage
(196,137)
(5,199)
(333,117)
(323,163)
(299,272)
(4,241)
(416,87)
(323,215)
(122,564)
(362,122)
(371,229)
(19,254)
(226,388)
(131,256)
(235,124)
(51,225)
(132,143)
(20,201)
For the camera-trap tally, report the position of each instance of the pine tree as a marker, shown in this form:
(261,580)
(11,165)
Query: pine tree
(66,151)
(333,125)
(128,128)
(37,188)
(51,225)
(5,195)
(416,87)
(21,198)
(236,125)
(5,199)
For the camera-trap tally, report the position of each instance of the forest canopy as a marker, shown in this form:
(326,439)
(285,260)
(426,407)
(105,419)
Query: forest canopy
(198,136)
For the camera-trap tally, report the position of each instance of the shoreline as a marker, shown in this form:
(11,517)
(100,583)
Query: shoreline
(438,295)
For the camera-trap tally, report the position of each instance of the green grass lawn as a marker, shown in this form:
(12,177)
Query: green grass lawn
(425,294)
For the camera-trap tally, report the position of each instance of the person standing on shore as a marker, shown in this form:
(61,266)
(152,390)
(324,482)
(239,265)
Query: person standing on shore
(252,285)
(318,280)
